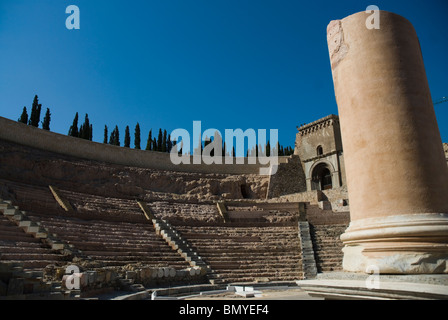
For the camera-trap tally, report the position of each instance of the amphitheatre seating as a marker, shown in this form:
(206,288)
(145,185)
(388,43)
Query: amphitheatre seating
(243,253)
(16,246)
(256,247)
(110,231)
(326,228)
(240,211)
(257,241)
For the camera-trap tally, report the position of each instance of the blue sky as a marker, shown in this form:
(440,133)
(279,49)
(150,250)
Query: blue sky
(166,63)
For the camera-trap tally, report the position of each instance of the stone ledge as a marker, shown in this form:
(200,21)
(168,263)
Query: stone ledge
(355,286)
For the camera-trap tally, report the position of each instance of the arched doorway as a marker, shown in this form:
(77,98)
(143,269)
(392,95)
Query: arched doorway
(321,178)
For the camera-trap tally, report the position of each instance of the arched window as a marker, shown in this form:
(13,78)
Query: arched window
(320,150)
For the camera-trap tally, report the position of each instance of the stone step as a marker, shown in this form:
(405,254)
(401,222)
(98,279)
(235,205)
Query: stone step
(241,266)
(34,264)
(17,237)
(129,247)
(29,256)
(25,250)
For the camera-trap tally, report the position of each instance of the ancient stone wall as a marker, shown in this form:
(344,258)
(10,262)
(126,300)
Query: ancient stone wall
(289,179)
(42,168)
(49,141)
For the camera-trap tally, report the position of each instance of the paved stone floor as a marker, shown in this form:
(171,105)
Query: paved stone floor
(289,294)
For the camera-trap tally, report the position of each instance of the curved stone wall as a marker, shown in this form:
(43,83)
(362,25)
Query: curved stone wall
(20,133)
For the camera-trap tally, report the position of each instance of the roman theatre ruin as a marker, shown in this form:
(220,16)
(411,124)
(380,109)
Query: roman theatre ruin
(365,191)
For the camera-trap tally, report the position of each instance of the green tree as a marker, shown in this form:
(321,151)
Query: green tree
(24,116)
(86,129)
(115,137)
(137,136)
(164,142)
(105,134)
(149,142)
(127,138)
(159,140)
(169,144)
(46,121)
(73,131)
(112,137)
(35,113)
(91,132)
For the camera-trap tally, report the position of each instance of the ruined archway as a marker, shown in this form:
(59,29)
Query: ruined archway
(321,177)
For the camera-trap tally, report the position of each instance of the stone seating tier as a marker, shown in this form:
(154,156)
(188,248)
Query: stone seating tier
(328,246)
(238,254)
(113,243)
(18,246)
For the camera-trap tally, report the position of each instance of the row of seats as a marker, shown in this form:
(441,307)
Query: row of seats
(258,241)
(19,247)
(112,232)
(326,228)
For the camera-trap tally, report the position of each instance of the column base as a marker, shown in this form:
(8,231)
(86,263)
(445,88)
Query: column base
(401,244)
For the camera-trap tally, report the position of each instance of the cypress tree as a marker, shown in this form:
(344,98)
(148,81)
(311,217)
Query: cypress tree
(85,131)
(117,137)
(112,137)
(149,142)
(154,144)
(73,131)
(35,113)
(91,132)
(268,149)
(47,119)
(24,116)
(137,136)
(159,140)
(105,134)
(169,144)
(164,142)
(127,138)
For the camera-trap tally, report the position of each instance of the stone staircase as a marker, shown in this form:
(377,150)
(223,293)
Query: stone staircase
(308,257)
(26,248)
(247,254)
(27,242)
(113,243)
(176,242)
(110,231)
(250,242)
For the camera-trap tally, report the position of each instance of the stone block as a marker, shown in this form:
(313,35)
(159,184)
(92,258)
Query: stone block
(57,246)
(324,205)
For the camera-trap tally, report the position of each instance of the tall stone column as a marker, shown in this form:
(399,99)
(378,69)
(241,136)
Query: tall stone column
(397,176)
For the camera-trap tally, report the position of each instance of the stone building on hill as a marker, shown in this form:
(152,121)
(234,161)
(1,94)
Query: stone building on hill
(319,147)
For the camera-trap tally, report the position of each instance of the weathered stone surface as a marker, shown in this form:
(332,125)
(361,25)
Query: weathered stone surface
(396,170)
(121,181)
